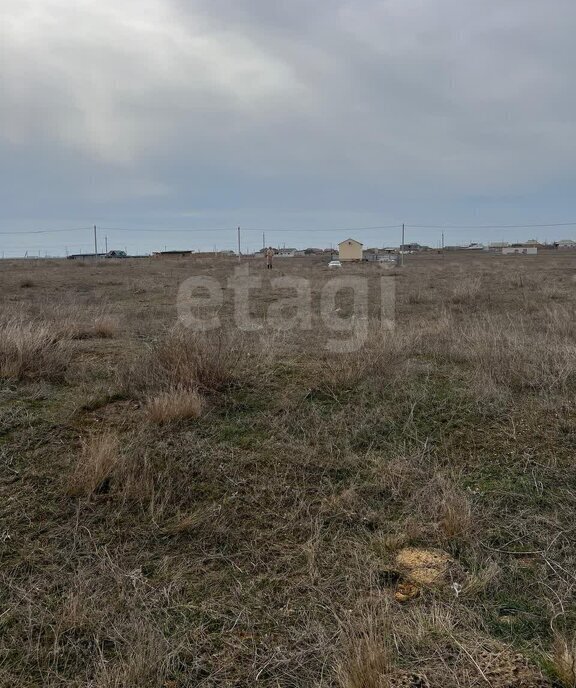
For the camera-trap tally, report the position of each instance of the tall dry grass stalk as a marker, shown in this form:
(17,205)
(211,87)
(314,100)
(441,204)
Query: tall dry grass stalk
(506,351)
(32,351)
(174,404)
(564,660)
(368,657)
(455,517)
(146,659)
(185,359)
(467,290)
(100,327)
(99,457)
(381,357)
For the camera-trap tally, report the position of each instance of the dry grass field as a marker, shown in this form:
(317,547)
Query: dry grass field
(248,509)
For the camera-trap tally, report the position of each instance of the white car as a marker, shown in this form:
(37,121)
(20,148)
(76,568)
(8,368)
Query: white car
(334,264)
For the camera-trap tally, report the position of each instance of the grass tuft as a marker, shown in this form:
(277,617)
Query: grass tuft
(564,661)
(32,351)
(209,362)
(93,473)
(175,404)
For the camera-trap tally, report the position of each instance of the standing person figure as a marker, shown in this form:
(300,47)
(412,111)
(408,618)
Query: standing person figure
(269,256)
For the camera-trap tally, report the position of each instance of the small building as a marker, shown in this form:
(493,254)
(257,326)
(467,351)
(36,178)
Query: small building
(565,244)
(86,256)
(287,252)
(171,254)
(521,250)
(116,254)
(497,246)
(370,254)
(413,248)
(350,249)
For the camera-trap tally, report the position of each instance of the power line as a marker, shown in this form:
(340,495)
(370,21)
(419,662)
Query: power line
(280,230)
(205,229)
(552,224)
(164,229)
(253,229)
(47,231)
(332,229)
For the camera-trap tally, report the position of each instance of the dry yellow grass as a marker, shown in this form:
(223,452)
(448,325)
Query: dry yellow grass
(99,327)
(31,350)
(564,660)
(99,456)
(175,404)
(257,544)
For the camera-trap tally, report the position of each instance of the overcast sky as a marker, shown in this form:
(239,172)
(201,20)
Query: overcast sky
(284,114)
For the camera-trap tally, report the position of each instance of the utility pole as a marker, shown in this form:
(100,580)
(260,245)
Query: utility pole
(402,248)
(95,242)
(263,240)
(239,254)
(442,242)
(106,243)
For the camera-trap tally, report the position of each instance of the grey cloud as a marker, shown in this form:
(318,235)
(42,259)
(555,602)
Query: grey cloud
(249,103)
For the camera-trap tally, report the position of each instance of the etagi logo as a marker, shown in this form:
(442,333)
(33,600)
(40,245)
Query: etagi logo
(201,299)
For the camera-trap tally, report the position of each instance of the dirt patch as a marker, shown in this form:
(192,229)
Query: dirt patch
(426,567)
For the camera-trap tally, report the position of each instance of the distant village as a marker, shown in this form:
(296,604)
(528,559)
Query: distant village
(353,250)
(356,251)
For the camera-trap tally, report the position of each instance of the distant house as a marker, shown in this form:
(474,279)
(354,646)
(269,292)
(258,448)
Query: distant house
(86,256)
(475,247)
(370,254)
(212,254)
(350,249)
(565,244)
(287,252)
(172,254)
(116,254)
(378,255)
(522,250)
(413,248)
(497,246)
